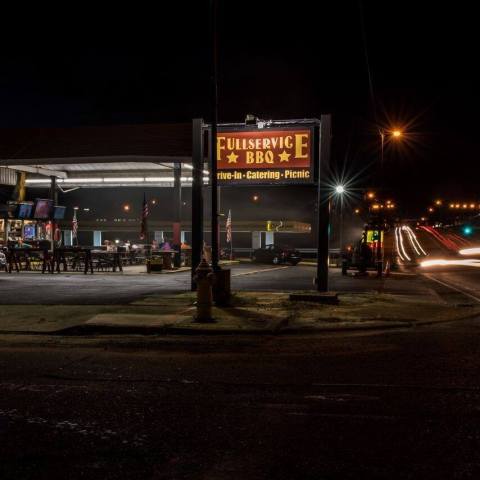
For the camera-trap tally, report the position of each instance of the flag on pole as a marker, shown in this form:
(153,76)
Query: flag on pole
(228,227)
(143,231)
(75,226)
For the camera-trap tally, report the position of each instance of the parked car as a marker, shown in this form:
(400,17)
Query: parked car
(276,255)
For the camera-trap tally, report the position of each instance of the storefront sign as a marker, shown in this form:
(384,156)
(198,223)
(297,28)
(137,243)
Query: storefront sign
(266,156)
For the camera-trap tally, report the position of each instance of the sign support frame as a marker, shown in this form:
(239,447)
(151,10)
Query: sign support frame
(321,153)
(323,205)
(197,196)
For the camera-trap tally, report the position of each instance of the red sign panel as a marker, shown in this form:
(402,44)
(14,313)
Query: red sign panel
(267,156)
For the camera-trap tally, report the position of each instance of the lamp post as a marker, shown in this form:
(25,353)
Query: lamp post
(339,191)
(395,134)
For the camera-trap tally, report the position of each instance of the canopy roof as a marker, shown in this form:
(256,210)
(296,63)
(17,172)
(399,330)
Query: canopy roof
(47,145)
(124,155)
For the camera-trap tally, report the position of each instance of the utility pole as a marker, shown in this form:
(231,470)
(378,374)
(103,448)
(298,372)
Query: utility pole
(380,224)
(213,142)
(221,287)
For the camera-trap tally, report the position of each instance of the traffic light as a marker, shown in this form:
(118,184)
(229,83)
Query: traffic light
(467,230)
(269,226)
(375,235)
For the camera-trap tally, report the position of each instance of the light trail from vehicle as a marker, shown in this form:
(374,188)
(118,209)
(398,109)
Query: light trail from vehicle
(467,262)
(399,253)
(470,251)
(446,242)
(405,254)
(459,239)
(417,251)
(417,241)
(414,241)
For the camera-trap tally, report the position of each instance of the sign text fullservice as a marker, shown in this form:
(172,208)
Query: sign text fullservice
(267,156)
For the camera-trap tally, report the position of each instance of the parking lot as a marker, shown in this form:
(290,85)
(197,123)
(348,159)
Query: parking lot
(123,288)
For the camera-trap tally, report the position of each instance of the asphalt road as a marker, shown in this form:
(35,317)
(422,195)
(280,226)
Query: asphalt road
(454,278)
(395,405)
(103,289)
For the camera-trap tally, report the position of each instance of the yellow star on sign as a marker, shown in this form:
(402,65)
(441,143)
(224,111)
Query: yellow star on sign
(284,156)
(232,158)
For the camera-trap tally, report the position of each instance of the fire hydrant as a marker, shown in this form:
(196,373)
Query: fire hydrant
(204,279)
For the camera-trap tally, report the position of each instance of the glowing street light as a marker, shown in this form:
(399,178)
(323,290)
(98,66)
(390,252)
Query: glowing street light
(395,133)
(340,190)
(255,198)
(126,207)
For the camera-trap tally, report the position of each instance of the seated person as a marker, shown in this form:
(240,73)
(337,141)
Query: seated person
(22,244)
(110,247)
(166,246)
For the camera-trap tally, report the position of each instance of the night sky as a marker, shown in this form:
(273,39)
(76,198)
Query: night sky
(276,60)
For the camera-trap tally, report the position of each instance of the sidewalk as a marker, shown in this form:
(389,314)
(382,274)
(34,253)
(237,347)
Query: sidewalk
(402,300)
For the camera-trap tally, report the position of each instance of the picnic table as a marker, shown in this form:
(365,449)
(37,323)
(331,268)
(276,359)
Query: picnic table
(105,259)
(87,259)
(15,256)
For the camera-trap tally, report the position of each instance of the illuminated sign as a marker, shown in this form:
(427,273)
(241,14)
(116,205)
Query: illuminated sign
(373,235)
(266,156)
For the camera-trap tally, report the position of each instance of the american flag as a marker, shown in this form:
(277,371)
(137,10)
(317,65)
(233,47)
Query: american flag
(228,227)
(75,225)
(143,231)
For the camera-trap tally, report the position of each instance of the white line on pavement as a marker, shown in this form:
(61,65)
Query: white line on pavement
(251,272)
(452,287)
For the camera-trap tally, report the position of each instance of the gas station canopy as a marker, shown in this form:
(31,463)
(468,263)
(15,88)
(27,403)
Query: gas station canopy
(109,156)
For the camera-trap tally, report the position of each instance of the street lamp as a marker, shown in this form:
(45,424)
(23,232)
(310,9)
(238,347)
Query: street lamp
(339,191)
(395,133)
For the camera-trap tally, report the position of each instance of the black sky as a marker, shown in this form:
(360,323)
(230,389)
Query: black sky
(276,60)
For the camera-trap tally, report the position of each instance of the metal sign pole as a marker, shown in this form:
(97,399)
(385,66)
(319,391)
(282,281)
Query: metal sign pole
(197,197)
(323,204)
(177,213)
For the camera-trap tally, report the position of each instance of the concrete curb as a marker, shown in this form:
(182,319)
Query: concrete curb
(279,329)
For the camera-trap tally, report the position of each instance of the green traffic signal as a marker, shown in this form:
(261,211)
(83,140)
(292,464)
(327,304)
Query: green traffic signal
(467,230)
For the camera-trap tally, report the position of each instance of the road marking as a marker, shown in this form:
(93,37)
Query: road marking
(251,272)
(452,287)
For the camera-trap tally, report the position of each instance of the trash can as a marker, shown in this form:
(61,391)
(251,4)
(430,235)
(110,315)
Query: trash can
(154,264)
(221,287)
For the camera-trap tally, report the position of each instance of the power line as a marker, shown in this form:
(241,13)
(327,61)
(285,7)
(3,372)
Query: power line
(367,62)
